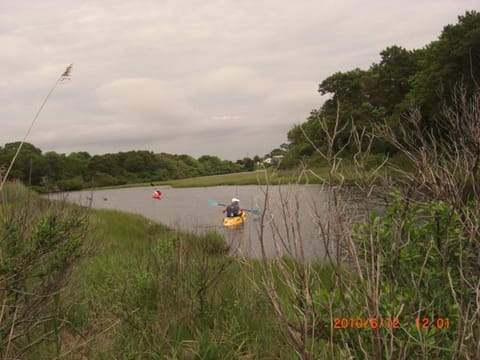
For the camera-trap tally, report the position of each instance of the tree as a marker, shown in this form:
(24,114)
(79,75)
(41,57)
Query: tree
(194,166)
(388,90)
(213,165)
(452,59)
(29,165)
(104,170)
(248,164)
(392,77)
(77,163)
(55,165)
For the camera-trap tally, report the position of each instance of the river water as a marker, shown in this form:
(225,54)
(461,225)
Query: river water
(285,229)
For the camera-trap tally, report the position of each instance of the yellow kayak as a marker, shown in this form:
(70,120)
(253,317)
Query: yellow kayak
(235,220)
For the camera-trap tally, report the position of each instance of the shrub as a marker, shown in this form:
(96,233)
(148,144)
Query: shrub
(40,241)
(427,266)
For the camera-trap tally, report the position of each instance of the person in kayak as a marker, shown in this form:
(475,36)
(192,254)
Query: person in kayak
(233,209)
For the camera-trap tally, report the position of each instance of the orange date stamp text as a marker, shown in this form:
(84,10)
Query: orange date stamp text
(388,323)
(366,323)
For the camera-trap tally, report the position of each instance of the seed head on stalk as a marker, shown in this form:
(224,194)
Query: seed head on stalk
(65,75)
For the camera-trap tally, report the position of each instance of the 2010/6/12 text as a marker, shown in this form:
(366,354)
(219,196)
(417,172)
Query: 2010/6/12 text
(366,323)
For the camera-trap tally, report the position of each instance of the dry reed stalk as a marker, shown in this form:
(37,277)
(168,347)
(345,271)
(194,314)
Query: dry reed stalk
(65,75)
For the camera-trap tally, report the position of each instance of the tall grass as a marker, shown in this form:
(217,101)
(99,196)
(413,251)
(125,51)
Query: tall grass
(167,294)
(40,242)
(145,291)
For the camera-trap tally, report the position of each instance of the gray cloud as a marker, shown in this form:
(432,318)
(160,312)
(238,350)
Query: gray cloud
(226,78)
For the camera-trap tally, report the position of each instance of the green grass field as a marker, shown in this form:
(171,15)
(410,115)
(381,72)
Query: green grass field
(273,177)
(261,177)
(149,292)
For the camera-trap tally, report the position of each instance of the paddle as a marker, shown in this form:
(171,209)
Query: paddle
(214,203)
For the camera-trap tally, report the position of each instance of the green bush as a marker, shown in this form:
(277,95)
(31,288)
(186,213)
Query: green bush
(428,267)
(212,243)
(40,242)
(75,183)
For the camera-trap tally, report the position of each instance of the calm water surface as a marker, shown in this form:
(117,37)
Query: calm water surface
(188,210)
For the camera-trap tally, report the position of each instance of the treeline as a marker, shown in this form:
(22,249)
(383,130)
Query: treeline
(425,79)
(52,171)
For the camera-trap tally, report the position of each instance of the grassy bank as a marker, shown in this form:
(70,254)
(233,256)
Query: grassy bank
(317,175)
(138,290)
(242,178)
(150,293)
(259,177)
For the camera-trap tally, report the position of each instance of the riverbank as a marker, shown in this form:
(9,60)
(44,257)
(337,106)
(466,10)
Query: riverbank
(126,287)
(258,177)
(139,290)
(151,292)
(318,175)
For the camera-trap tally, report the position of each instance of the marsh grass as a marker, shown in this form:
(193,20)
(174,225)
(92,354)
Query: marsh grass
(315,175)
(145,291)
(243,178)
(167,294)
(40,243)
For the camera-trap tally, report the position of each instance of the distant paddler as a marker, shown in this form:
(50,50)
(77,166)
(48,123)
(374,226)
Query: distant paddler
(157,195)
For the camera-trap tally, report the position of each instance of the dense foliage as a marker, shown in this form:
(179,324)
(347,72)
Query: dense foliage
(51,171)
(40,242)
(386,91)
(427,259)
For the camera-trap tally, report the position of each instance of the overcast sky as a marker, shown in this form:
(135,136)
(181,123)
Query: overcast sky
(227,78)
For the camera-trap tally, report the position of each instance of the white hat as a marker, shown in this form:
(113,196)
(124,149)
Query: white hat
(235,200)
